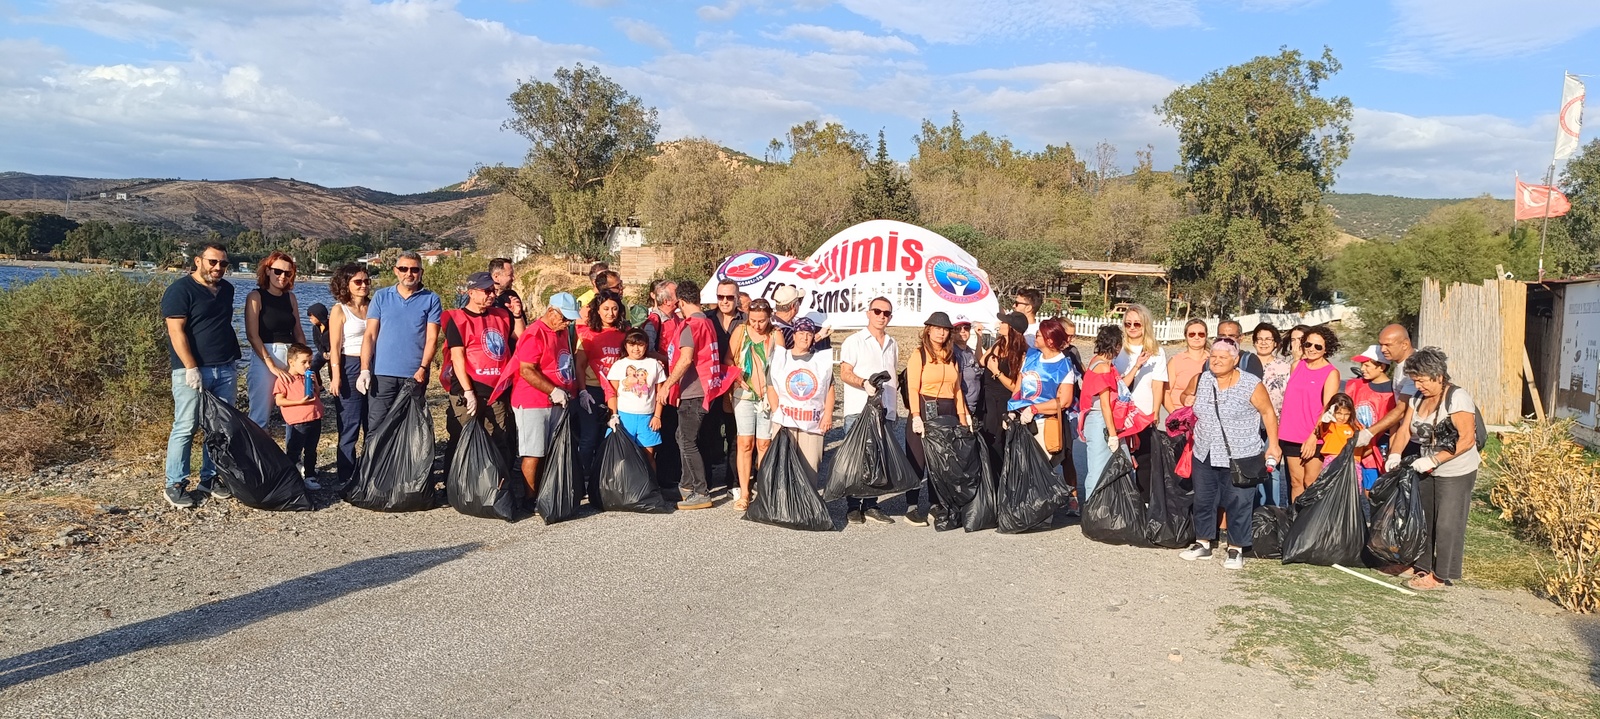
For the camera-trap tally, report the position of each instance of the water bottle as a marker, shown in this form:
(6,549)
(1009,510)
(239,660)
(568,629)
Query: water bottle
(311,384)
(1272,464)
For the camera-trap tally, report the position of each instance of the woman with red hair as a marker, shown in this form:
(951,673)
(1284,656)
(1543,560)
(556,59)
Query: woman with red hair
(1046,389)
(271,323)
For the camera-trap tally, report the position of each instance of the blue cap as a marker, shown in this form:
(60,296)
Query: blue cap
(565,302)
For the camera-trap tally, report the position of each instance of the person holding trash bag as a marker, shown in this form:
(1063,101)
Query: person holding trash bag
(939,399)
(1439,412)
(751,347)
(300,403)
(1002,364)
(801,393)
(477,339)
(638,391)
(1373,394)
(347,324)
(402,333)
(862,355)
(198,310)
(1230,409)
(1313,382)
(542,379)
(967,360)
(1101,388)
(1046,387)
(599,346)
(271,324)
(696,378)
(1142,370)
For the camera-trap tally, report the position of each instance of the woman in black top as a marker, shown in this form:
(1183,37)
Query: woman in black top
(271,322)
(1002,363)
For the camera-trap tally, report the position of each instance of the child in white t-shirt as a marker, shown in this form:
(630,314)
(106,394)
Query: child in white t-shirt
(639,389)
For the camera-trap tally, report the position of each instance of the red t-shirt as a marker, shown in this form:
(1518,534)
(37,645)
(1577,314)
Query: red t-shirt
(547,350)
(296,390)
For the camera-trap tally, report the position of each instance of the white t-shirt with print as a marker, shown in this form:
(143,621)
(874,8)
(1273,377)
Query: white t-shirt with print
(1154,370)
(802,388)
(636,384)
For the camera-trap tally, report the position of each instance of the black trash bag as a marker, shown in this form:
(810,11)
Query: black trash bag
(1399,524)
(396,472)
(1330,522)
(560,479)
(869,463)
(249,462)
(785,490)
(1169,520)
(1388,481)
(626,482)
(956,459)
(1268,528)
(1029,492)
(983,512)
(1115,512)
(480,482)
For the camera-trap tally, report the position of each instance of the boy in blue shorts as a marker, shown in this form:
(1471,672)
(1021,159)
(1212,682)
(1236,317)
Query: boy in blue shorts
(638,384)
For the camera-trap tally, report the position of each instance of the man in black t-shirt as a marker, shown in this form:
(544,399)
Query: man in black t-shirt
(505,276)
(202,347)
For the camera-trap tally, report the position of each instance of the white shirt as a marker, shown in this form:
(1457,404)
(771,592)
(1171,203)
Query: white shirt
(1154,370)
(1403,385)
(802,389)
(636,384)
(354,330)
(1032,332)
(867,358)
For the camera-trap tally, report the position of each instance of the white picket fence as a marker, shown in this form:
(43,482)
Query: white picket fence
(1168,331)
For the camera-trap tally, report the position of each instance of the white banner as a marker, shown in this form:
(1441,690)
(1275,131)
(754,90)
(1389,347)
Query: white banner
(919,271)
(1570,122)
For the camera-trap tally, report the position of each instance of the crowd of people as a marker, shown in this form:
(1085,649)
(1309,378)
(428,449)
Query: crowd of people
(700,387)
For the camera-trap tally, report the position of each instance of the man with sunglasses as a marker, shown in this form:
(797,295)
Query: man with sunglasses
(1027,304)
(861,356)
(402,334)
(198,309)
(1231,329)
(722,431)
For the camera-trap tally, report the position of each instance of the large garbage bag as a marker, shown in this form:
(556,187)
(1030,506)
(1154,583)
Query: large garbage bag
(626,482)
(1268,527)
(785,490)
(1169,519)
(249,461)
(1386,483)
(869,463)
(1029,492)
(1330,523)
(560,478)
(983,512)
(956,467)
(396,473)
(480,482)
(1399,524)
(1115,513)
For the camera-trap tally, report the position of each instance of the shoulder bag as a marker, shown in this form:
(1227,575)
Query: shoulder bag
(1249,471)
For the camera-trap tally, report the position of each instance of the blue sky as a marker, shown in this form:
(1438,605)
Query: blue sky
(1452,96)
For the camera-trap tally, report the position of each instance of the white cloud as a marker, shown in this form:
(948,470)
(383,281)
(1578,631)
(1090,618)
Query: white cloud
(851,41)
(962,21)
(1443,156)
(643,33)
(1427,32)
(719,13)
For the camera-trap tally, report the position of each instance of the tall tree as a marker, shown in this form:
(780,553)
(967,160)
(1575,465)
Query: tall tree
(885,193)
(1581,183)
(681,201)
(1259,147)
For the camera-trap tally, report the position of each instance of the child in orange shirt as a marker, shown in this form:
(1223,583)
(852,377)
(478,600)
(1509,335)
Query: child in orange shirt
(300,401)
(1337,428)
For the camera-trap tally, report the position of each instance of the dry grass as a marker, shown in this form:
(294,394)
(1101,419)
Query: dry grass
(1550,490)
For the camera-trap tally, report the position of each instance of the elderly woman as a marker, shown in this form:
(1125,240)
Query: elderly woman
(1438,413)
(1230,410)
(800,392)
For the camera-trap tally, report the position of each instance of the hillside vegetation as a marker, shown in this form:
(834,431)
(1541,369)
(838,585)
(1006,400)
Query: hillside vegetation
(1376,216)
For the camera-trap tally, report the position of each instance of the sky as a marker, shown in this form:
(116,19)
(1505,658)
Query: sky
(1451,97)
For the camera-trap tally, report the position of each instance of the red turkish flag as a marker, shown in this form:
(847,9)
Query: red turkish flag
(1532,201)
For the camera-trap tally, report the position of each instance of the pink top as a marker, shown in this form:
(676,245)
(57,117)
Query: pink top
(1302,402)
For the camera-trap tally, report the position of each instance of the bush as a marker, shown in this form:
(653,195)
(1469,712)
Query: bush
(1550,489)
(84,361)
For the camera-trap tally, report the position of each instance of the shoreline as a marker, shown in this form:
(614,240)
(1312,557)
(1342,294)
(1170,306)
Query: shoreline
(82,266)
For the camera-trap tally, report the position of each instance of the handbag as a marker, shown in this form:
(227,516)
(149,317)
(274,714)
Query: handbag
(1247,472)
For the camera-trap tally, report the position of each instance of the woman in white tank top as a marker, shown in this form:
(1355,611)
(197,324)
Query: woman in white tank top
(347,325)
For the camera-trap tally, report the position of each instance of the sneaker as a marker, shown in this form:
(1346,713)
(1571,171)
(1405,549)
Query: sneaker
(733,493)
(695,501)
(1195,551)
(877,515)
(312,483)
(177,497)
(216,488)
(854,517)
(1235,560)
(915,517)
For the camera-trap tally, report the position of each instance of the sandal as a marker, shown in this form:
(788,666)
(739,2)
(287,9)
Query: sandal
(1425,582)
(741,504)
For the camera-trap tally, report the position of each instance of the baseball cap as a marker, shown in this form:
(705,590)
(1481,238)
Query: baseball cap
(480,281)
(785,295)
(961,319)
(1371,354)
(1015,321)
(565,302)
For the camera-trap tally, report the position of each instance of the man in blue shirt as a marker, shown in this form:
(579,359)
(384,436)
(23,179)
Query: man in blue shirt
(198,309)
(402,334)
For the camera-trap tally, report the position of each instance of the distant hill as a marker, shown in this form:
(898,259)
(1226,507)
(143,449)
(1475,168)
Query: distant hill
(270,205)
(1374,216)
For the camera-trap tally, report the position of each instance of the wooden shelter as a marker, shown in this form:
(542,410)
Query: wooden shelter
(1107,270)
(1563,345)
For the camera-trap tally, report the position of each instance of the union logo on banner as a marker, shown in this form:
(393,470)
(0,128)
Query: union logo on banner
(748,267)
(954,282)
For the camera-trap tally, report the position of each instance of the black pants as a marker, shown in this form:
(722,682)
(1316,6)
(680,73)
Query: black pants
(352,409)
(934,411)
(1141,458)
(668,464)
(691,415)
(382,394)
(300,443)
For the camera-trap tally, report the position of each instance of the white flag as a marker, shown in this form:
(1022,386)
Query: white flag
(1571,119)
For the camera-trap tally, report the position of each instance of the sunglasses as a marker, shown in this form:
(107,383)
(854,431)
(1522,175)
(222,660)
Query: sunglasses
(730,298)
(215,263)
(1131,325)
(361,282)
(408,270)
(1022,304)
(1310,346)
(280,273)
(1195,334)
(882,313)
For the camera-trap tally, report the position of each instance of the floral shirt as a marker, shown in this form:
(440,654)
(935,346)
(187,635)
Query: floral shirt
(1276,378)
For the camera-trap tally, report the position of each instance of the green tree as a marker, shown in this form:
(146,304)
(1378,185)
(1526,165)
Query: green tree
(792,209)
(1580,181)
(681,201)
(334,254)
(1456,243)
(1258,148)
(885,193)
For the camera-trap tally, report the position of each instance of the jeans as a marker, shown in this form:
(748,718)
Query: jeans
(221,380)
(690,416)
(1213,486)
(351,407)
(259,383)
(591,430)
(897,437)
(1275,491)
(300,442)
(1096,454)
(382,394)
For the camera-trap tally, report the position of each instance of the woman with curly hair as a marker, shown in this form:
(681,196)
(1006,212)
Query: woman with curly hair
(347,326)
(1312,383)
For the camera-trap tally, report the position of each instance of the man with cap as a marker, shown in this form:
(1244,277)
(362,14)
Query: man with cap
(477,341)
(1372,392)
(317,314)
(967,361)
(862,355)
(696,378)
(786,308)
(545,380)
(401,337)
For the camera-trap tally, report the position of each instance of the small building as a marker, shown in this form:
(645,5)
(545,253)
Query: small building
(1563,345)
(620,237)
(433,256)
(121,197)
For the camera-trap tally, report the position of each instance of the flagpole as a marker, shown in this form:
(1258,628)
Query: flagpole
(1549,191)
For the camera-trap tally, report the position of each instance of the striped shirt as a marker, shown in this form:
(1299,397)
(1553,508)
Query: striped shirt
(1229,411)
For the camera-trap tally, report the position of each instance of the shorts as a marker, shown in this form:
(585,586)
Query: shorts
(1290,449)
(1369,477)
(535,425)
(638,427)
(751,421)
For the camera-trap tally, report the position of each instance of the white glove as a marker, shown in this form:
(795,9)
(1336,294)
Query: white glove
(1326,417)
(916,425)
(1424,465)
(586,401)
(364,381)
(615,422)
(191,377)
(764,405)
(1113,442)
(871,389)
(1026,415)
(1392,462)
(1363,438)
(472,402)
(558,396)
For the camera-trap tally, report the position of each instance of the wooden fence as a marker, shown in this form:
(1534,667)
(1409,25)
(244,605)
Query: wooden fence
(1480,328)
